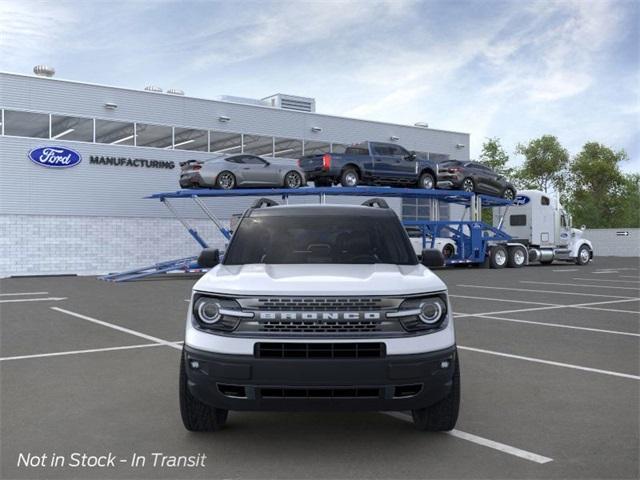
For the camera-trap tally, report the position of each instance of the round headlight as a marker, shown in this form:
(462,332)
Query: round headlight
(431,310)
(208,311)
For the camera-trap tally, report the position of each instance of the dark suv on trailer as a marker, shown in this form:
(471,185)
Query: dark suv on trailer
(474,177)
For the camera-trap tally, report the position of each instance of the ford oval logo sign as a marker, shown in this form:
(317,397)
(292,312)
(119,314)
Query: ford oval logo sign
(55,157)
(521,200)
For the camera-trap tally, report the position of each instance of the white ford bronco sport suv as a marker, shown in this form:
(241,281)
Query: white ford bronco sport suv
(319,307)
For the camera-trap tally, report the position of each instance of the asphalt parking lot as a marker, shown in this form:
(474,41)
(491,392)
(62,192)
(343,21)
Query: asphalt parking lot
(550,385)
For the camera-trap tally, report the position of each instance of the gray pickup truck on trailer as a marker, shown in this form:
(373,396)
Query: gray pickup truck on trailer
(371,163)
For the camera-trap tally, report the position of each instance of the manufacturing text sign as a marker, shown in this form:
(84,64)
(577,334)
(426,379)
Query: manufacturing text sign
(55,157)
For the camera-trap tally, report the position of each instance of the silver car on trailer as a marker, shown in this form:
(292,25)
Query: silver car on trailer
(241,170)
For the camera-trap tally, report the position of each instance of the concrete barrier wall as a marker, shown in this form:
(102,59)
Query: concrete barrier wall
(614,242)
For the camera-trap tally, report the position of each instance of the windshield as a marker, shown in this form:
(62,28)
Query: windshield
(343,239)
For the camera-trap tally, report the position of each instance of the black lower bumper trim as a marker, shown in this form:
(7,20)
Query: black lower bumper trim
(242,382)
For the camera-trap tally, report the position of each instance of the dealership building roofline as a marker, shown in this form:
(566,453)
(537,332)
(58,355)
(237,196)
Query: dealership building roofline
(228,101)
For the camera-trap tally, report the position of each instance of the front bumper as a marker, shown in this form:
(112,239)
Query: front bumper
(243,382)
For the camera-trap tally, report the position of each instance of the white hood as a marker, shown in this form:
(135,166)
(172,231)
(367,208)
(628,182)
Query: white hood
(320,279)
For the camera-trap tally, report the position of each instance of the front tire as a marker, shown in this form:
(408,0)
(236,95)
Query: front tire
(448,251)
(427,181)
(584,255)
(226,180)
(349,178)
(442,416)
(498,257)
(293,180)
(198,416)
(509,194)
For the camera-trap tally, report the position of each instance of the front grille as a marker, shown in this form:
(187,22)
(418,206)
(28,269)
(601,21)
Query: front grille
(320,392)
(319,304)
(320,326)
(320,350)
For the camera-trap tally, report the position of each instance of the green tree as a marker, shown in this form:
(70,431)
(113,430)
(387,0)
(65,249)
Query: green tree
(545,163)
(600,195)
(495,157)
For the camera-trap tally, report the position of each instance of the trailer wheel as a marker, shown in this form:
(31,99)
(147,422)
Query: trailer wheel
(517,257)
(498,257)
(584,255)
(448,251)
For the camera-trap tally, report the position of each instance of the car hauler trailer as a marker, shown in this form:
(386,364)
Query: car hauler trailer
(476,242)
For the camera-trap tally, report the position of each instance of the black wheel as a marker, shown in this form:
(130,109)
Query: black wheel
(508,194)
(198,416)
(226,180)
(584,255)
(468,185)
(498,257)
(442,416)
(517,257)
(448,251)
(427,181)
(293,179)
(349,178)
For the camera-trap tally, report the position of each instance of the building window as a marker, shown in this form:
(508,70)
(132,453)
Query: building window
(71,128)
(420,209)
(190,139)
(287,148)
(158,136)
(258,145)
(315,148)
(438,157)
(26,124)
(225,142)
(114,133)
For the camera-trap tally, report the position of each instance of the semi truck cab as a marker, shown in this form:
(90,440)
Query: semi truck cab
(539,222)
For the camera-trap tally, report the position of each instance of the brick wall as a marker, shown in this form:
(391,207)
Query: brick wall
(41,245)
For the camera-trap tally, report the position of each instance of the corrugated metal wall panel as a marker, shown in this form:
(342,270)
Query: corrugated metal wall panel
(98,190)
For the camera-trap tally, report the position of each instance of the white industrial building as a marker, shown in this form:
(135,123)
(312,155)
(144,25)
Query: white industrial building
(93,218)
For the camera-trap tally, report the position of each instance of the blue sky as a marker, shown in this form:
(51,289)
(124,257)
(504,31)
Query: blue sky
(514,70)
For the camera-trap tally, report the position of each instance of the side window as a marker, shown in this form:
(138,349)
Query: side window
(235,159)
(563,220)
(380,149)
(398,151)
(517,220)
(250,159)
(545,200)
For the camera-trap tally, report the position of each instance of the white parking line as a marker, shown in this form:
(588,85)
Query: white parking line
(605,280)
(549,362)
(558,325)
(23,293)
(501,300)
(485,442)
(581,285)
(76,352)
(551,306)
(118,327)
(628,276)
(20,300)
(528,290)
(567,270)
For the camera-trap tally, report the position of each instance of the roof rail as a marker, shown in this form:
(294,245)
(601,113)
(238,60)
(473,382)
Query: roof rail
(264,202)
(375,202)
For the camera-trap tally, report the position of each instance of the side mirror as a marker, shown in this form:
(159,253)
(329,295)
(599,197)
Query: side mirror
(583,228)
(432,257)
(412,156)
(209,258)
